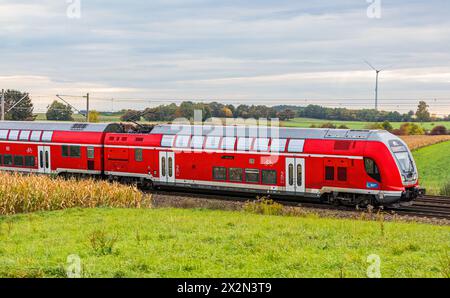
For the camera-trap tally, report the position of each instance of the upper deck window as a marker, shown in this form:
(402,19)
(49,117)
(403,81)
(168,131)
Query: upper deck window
(296,146)
(47,136)
(262,144)
(228,143)
(36,136)
(167,141)
(212,143)
(24,135)
(278,145)
(182,141)
(244,144)
(3,134)
(13,135)
(197,142)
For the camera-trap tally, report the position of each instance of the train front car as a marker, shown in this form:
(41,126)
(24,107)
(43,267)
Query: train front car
(390,164)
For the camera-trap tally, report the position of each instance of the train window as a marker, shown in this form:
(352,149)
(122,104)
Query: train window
(278,145)
(299,175)
(167,141)
(252,175)
(13,135)
(372,169)
(7,160)
(244,144)
(182,141)
(219,173)
(29,161)
(342,174)
(75,151)
(138,155)
(90,152)
(235,174)
(212,143)
(41,159)
(296,146)
(46,159)
(269,177)
(65,150)
(329,173)
(3,134)
(291,174)
(24,135)
(1,159)
(47,136)
(169,160)
(228,143)
(18,160)
(262,144)
(197,142)
(36,136)
(163,167)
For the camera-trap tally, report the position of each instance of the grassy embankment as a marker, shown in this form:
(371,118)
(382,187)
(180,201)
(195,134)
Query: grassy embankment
(433,163)
(196,242)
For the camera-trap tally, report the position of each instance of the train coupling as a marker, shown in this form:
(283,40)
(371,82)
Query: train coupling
(413,193)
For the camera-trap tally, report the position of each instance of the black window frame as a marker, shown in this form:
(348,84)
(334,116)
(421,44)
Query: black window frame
(90,152)
(1,159)
(372,170)
(247,172)
(18,158)
(29,161)
(65,151)
(272,182)
(221,177)
(10,157)
(241,176)
(329,173)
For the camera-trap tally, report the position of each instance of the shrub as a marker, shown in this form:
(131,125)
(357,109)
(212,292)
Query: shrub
(439,130)
(30,193)
(343,126)
(264,206)
(407,129)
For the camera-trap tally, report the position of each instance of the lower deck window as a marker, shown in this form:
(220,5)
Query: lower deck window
(7,160)
(342,174)
(219,173)
(269,177)
(252,175)
(18,160)
(329,173)
(29,161)
(235,174)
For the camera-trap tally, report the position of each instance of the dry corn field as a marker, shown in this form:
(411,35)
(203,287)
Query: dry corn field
(416,142)
(30,193)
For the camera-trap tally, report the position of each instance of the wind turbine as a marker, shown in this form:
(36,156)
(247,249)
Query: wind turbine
(376,83)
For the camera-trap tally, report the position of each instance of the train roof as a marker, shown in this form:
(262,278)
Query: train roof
(270,132)
(60,126)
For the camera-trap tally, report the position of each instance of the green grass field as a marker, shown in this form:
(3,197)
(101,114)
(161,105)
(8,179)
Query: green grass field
(433,163)
(205,243)
(307,122)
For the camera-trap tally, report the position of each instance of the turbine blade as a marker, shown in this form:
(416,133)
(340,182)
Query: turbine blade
(367,62)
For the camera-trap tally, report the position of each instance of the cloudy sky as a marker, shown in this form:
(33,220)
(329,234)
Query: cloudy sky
(254,51)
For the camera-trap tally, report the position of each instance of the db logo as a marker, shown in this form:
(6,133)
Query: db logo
(29,150)
(8,148)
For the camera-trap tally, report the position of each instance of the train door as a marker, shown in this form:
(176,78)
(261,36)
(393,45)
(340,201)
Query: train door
(167,167)
(44,159)
(295,175)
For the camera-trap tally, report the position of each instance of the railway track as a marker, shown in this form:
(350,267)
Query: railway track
(429,206)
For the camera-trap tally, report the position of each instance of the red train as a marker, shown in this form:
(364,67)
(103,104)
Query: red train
(354,167)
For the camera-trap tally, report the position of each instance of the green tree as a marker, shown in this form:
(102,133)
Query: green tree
(387,126)
(23,111)
(422,114)
(59,112)
(130,115)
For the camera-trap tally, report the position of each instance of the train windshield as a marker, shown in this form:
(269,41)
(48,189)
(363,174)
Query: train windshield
(405,162)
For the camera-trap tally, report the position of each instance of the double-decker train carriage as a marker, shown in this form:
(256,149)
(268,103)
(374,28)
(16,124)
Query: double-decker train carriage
(349,166)
(53,147)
